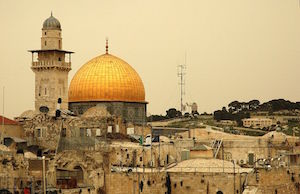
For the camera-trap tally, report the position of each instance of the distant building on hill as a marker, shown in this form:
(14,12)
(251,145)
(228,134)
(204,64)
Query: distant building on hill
(257,123)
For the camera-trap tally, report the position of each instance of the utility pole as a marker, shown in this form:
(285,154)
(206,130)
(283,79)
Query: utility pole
(151,163)
(44,175)
(2,133)
(143,146)
(233,176)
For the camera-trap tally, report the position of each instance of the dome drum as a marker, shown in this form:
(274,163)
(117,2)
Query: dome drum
(133,112)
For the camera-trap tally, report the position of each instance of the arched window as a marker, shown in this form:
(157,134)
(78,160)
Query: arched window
(45,43)
(219,192)
(79,173)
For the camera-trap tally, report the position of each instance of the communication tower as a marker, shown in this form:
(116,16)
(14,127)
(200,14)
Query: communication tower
(181,72)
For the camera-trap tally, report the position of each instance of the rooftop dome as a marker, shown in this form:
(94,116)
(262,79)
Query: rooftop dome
(51,23)
(96,111)
(106,78)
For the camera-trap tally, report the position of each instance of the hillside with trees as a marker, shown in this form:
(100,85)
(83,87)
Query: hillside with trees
(240,110)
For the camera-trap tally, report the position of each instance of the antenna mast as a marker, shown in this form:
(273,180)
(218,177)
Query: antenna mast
(181,74)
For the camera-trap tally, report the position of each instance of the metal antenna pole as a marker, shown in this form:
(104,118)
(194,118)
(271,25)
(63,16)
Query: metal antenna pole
(181,74)
(181,84)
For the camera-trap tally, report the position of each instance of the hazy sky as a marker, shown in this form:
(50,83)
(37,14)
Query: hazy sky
(236,49)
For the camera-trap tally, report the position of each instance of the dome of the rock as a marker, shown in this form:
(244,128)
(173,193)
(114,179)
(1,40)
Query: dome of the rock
(106,78)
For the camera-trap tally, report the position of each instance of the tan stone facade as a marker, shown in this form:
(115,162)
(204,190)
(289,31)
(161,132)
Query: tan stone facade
(51,85)
(121,183)
(51,68)
(257,123)
(274,181)
(12,130)
(51,39)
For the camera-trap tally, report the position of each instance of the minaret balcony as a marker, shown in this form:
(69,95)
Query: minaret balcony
(51,65)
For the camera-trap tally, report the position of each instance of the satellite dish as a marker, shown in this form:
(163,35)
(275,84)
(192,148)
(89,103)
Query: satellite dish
(44,109)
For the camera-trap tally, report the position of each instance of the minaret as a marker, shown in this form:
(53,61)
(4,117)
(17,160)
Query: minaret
(51,67)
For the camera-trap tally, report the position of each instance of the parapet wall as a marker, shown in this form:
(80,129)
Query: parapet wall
(125,183)
(208,183)
(274,181)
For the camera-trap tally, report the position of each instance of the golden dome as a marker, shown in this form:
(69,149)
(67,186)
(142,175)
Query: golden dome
(106,78)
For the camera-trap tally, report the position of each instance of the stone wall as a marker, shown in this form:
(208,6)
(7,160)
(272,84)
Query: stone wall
(239,150)
(125,183)
(51,39)
(13,130)
(51,85)
(44,130)
(274,181)
(133,155)
(91,164)
(13,171)
(205,183)
(269,182)
(201,154)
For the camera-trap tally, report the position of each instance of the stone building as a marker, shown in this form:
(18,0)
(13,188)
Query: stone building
(109,81)
(51,68)
(257,123)
(10,128)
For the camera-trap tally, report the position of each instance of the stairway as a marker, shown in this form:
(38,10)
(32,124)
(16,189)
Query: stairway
(216,145)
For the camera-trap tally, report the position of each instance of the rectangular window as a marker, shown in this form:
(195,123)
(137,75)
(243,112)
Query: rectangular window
(117,129)
(98,132)
(88,132)
(109,129)
(38,133)
(82,132)
(130,131)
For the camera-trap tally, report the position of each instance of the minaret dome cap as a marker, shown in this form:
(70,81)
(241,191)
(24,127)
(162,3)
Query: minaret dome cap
(51,23)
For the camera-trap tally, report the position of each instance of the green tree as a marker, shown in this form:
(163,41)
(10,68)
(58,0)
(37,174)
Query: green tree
(173,113)
(234,106)
(253,104)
